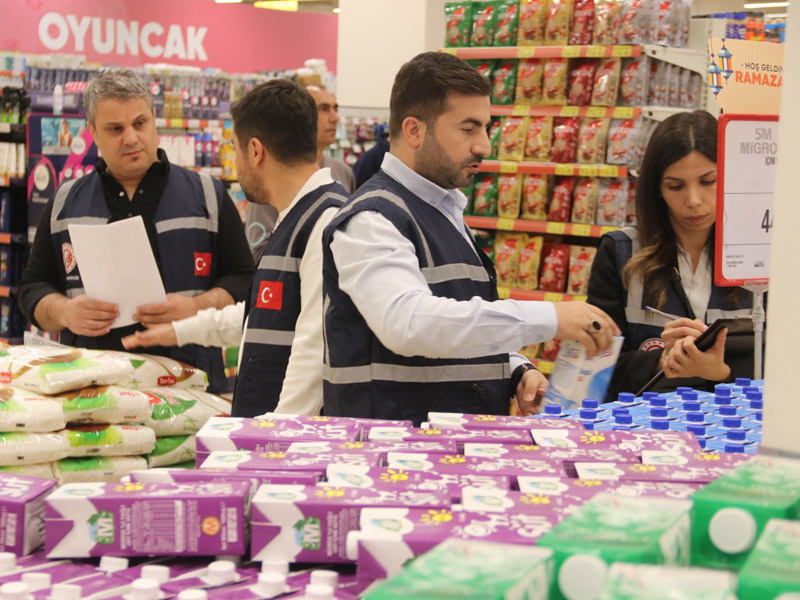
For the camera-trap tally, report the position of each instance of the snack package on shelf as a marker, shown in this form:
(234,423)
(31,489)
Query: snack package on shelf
(507,248)
(507,23)
(667,23)
(582,23)
(468,192)
(592,140)
(633,85)
(530,257)
(624,142)
(606,82)
(674,85)
(509,190)
(529,81)
(683,95)
(25,411)
(565,139)
(535,191)
(658,95)
(532,18)
(484,200)
(580,265)
(554,267)
(539,138)
(512,138)
(458,24)
(550,350)
(581,80)
(612,202)
(484,67)
(531,351)
(634,22)
(504,81)
(561,200)
(630,211)
(584,200)
(495,131)
(484,23)
(485,241)
(606,22)
(695,89)
(554,85)
(559,19)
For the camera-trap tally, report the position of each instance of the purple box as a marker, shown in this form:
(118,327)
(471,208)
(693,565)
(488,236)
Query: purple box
(495,500)
(457,463)
(146,519)
(460,436)
(242,460)
(574,490)
(22,512)
(553,454)
(628,441)
(310,523)
(468,421)
(256,478)
(638,472)
(700,459)
(97,585)
(432,447)
(663,489)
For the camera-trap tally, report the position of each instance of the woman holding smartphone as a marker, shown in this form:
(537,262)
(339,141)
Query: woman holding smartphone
(667,263)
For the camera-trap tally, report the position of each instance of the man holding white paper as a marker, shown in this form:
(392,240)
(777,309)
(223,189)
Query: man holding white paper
(194,231)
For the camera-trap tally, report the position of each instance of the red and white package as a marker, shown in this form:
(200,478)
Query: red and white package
(529,258)
(561,200)
(507,247)
(580,265)
(565,139)
(623,142)
(529,81)
(559,18)
(606,82)
(539,138)
(584,199)
(659,84)
(633,81)
(630,209)
(612,202)
(507,24)
(606,22)
(554,267)
(554,84)
(683,96)
(674,82)
(535,190)
(695,89)
(592,140)
(669,26)
(512,138)
(550,350)
(582,23)
(633,27)
(532,17)
(581,80)
(509,189)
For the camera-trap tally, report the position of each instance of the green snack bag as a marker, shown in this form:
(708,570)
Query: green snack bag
(773,567)
(627,581)
(484,67)
(731,512)
(495,133)
(469,191)
(507,23)
(485,241)
(484,23)
(472,570)
(611,528)
(484,198)
(458,24)
(504,82)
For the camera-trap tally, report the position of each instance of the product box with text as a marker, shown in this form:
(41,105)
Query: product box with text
(22,512)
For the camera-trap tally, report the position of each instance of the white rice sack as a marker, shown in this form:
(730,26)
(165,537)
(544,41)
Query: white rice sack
(52,370)
(41,470)
(24,448)
(97,468)
(180,412)
(21,410)
(108,440)
(160,371)
(172,450)
(106,404)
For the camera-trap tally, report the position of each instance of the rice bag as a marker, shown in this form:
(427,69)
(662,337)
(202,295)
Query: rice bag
(509,189)
(612,202)
(507,247)
(41,470)
(504,80)
(623,141)
(484,199)
(559,18)
(606,22)
(484,67)
(561,200)
(25,411)
(581,80)
(550,350)
(97,468)
(554,267)
(539,138)
(458,24)
(152,371)
(530,256)
(512,138)
(630,210)
(580,265)
(507,23)
(495,130)
(53,369)
(606,82)
(532,17)
(24,448)
(180,412)
(529,81)
(108,440)
(592,140)
(554,83)
(105,404)
(172,450)
(582,23)
(534,197)
(584,199)
(633,83)
(565,139)
(484,23)
(633,26)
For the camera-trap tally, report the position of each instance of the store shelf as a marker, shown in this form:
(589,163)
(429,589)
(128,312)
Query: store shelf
(539,295)
(11,181)
(576,229)
(190,123)
(540,168)
(6,291)
(15,238)
(683,57)
(659,113)
(521,110)
(16,130)
(545,52)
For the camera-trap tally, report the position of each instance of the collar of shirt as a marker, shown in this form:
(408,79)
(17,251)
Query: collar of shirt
(451,203)
(697,284)
(161,166)
(318,179)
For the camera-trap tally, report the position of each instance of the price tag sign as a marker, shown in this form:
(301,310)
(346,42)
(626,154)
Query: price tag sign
(595,51)
(596,112)
(582,230)
(553,297)
(623,112)
(544,366)
(565,170)
(194,123)
(503,293)
(622,51)
(606,229)
(508,167)
(520,110)
(608,171)
(570,52)
(556,228)
(505,224)
(452,51)
(587,171)
(526,52)
(161,122)
(569,111)
(746,164)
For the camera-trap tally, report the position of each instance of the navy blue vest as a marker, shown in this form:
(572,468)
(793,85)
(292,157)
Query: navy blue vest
(274,305)
(186,224)
(363,378)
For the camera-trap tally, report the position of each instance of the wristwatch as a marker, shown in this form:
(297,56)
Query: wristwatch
(518,374)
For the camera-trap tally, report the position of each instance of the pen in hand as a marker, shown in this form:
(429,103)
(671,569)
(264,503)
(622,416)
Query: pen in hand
(660,313)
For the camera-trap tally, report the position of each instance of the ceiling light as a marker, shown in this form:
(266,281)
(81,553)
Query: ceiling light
(755,5)
(336,10)
(290,5)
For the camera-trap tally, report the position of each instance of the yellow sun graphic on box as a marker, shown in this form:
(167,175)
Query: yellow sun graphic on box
(588,482)
(262,423)
(429,431)
(535,499)
(274,455)
(593,438)
(352,445)
(435,517)
(642,468)
(129,487)
(320,419)
(526,447)
(707,456)
(485,418)
(393,475)
(450,459)
(328,492)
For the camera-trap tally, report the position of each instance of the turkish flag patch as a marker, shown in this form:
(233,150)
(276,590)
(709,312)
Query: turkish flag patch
(202,263)
(270,295)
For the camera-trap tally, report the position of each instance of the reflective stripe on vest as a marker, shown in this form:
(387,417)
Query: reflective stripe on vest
(406,374)
(274,337)
(206,224)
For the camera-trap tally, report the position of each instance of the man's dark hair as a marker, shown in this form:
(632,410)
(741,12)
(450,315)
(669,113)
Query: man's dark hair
(422,85)
(281,115)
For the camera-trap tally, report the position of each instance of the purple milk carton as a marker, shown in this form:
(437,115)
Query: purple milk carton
(695,459)
(95,586)
(574,490)
(242,460)
(432,447)
(639,472)
(22,512)
(310,523)
(469,421)
(553,454)
(256,478)
(627,441)
(494,500)
(460,436)
(146,519)
(457,463)
(663,489)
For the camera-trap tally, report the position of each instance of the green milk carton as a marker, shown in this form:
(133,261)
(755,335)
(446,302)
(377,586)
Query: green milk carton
(612,528)
(627,581)
(472,570)
(773,568)
(730,513)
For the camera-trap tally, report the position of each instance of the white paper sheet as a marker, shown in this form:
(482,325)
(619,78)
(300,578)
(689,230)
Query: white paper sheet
(117,265)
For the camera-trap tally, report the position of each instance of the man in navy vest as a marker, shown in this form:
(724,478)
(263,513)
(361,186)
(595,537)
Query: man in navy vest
(193,227)
(412,319)
(280,357)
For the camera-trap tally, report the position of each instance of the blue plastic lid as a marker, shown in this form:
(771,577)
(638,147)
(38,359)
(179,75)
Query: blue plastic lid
(743,381)
(588,413)
(759,415)
(625,397)
(732,422)
(552,409)
(696,429)
(701,442)
(727,410)
(689,395)
(682,388)
(659,424)
(691,405)
(659,412)
(754,395)
(722,399)
(736,435)
(649,395)
(750,388)
(734,448)
(588,425)
(658,401)
(695,417)
(590,403)
(756,404)
(722,389)
(620,411)
(623,419)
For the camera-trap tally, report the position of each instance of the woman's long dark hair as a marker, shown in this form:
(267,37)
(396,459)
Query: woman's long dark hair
(676,137)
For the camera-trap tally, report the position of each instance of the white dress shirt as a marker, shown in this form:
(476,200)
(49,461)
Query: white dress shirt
(302,386)
(696,282)
(379,270)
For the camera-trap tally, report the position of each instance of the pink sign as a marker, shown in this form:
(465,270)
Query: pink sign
(236,38)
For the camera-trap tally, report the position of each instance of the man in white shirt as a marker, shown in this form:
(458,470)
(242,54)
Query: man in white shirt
(280,366)
(412,319)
